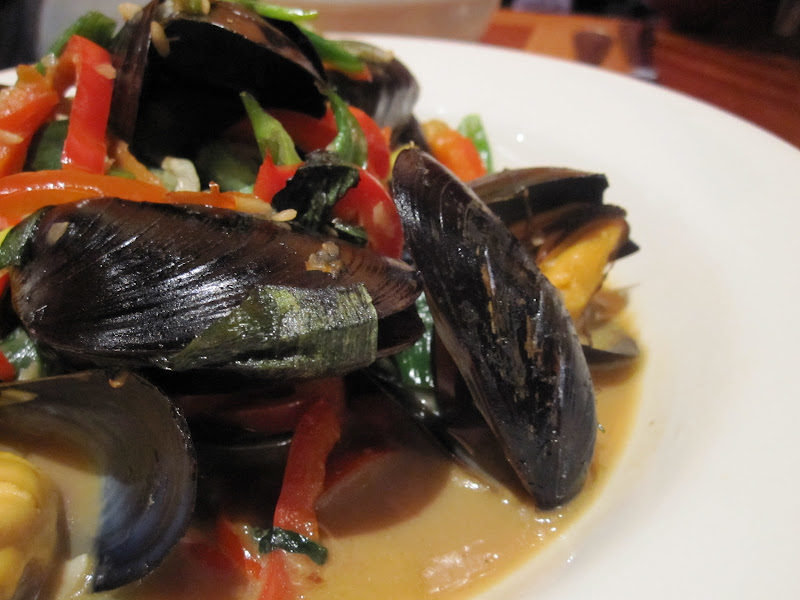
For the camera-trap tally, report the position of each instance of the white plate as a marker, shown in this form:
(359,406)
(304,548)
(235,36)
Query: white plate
(705,502)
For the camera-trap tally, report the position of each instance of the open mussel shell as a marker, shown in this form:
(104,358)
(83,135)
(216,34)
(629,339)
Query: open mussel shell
(548,202)
(182,89)
(505,327)
(110,282)
(388,95)
(143,452)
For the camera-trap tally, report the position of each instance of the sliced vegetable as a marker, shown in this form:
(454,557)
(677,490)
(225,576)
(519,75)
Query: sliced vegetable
(414,364)
(310,134)
(471,126)
(272,178)
(272,138)
(350,143)
(304,479)
(284,13)
(378,151)
(47,145)
(315,187)
(278,585)
(316,434)
(307,132)
(335,55)
(93,25)
(23,109)
(238,547)
(85,145)
(370,206)
(22,354)
(24,193)
(454,150)
(229,164)
(276,538)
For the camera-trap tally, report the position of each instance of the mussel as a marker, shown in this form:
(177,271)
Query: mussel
(545,204)
(143,452)
(182,89)
(560,216)
(109,282)
(504,325)
(388,95)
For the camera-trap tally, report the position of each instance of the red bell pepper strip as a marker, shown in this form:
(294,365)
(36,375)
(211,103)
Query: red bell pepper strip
(24,193)
(454,150)
(317,432)
(7,370)
(276,575)
(272,178)
(314,134)
(23,109)
(303,482)
(237,548)
(85,145)
(307,132)
(370,206)
(378,153)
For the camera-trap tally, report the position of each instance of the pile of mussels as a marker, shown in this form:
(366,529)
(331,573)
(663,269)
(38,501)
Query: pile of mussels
(131,304)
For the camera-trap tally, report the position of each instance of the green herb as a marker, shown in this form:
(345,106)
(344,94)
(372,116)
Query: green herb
(282,13)
(276,538)
(93,25)
(414,364)
(471,126)
(271,137)
(46,147)
(15,241)
(350,143)
(231,165)
(22,353)
(315,187)
(349,232)
(334,53)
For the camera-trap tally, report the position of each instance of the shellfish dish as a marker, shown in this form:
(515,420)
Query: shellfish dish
(266,333)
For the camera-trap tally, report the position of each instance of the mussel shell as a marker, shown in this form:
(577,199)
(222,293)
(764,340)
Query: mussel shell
(574,196)
(129,53)
(170,104)
(516,193)
(388,96)
(234,48)
(120,283)
(144,452)
(505,326)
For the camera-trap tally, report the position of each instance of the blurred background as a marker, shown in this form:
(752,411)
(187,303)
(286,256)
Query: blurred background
(27,27)
(772,25)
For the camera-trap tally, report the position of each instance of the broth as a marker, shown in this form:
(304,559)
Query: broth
(427,528)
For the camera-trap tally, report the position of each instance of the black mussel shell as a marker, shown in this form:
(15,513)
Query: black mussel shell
(169,102)
(516,193)
(144,454)
(129,51)
(388,96)
(118,283)
(563,199)
(505,327)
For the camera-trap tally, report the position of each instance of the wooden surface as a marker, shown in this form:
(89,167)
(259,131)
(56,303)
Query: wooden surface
(761,87)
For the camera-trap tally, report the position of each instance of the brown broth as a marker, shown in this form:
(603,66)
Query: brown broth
(423,528)
(429,528)
(470,535)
